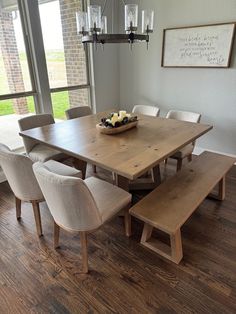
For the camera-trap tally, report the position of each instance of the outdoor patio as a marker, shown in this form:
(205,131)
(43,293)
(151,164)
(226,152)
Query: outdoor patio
(9,131)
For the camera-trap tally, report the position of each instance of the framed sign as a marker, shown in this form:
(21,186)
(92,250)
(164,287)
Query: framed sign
(203,46)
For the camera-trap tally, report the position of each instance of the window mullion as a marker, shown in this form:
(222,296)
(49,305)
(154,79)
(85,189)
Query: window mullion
(34,32)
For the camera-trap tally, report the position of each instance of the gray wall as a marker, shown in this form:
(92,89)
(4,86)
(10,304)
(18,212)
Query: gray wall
(209,91)
(106,68)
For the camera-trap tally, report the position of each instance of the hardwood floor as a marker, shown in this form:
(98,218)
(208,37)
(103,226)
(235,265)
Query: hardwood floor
(125,277)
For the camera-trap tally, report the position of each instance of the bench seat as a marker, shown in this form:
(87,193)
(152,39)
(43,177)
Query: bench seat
(169,206)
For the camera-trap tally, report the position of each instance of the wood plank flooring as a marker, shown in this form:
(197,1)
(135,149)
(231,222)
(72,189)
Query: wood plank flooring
(125,277)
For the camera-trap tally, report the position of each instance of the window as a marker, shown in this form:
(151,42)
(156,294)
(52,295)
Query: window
(16,83)
(23,71)
(14,69)
(61,101)
(65,55)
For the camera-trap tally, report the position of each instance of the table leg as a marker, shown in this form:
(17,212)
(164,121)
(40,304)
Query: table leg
(80,165)
(122,182)
(156,175)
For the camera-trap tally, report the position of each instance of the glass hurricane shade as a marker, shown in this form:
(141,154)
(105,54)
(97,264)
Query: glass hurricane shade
(131,17)
(104,25)
(93,26)
(82,22)
(94,18)
(147,21)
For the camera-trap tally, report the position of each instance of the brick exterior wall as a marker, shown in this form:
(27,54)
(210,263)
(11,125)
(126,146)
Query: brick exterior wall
(74,52)
(11,61)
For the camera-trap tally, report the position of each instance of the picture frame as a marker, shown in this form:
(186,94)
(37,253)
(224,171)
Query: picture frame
(202,46)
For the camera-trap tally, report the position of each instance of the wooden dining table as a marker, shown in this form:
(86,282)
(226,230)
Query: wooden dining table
(130,154)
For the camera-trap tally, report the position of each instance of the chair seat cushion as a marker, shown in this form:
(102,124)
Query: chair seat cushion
(184,152)
(43,153)
(109,198)
(61,169)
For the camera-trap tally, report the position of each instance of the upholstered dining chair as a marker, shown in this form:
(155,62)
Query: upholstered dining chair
(146,110)
(37,151)
(19,173)
(78,112)
(81,206)
(185,152)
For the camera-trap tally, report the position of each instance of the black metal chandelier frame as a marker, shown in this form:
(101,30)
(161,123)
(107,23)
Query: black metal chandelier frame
(130,37)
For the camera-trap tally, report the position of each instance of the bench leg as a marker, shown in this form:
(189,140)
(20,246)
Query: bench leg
(174,252)
(221,191)
(147,233)
(220,196)
(176,247)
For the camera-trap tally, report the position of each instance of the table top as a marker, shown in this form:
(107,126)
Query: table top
(129,154)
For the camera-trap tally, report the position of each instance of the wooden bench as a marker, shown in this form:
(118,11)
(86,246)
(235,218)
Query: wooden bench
(169,206)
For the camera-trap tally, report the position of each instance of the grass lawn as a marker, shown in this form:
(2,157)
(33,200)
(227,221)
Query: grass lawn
(60,100)
(60,103)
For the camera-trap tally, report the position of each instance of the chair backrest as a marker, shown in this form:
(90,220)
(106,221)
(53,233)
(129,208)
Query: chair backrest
(184,116)
(78,112)
(20,176)
(34,121)
(146,110)
(69,200)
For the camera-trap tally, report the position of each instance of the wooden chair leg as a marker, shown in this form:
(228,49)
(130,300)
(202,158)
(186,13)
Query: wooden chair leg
(179,164)
(56,235)
(37,217)
(84,251)
(94,169)
(114,178)
(127,220)
(18,208)
(190,158)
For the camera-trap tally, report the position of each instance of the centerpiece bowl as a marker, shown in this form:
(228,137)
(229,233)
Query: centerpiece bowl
(117,123)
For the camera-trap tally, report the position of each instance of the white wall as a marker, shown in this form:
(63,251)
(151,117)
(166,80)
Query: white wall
(209,91)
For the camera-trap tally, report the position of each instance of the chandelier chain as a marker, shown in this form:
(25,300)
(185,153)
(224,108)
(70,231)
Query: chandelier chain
(104,7)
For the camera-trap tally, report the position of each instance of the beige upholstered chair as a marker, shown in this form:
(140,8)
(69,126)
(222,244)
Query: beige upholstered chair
(146,110)
(19,173)
(78,112)
(35,150)
(81,206)
(185,152)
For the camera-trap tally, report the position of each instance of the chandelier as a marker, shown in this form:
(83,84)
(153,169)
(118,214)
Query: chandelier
(92,25)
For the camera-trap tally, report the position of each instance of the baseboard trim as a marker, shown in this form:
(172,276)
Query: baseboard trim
(199,150)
